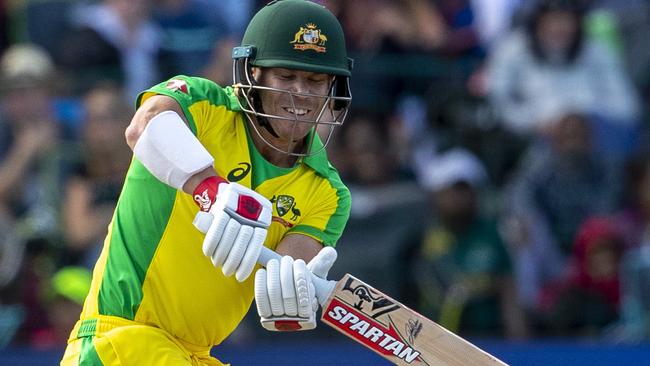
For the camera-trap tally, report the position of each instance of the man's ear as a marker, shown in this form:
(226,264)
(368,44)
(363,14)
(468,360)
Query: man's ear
(256,72)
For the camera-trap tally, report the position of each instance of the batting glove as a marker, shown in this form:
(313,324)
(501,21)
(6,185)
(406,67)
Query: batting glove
(235,220)
(284,292)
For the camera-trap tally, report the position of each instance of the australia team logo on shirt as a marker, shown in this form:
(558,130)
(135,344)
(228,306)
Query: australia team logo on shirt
(285,204)
(309,37)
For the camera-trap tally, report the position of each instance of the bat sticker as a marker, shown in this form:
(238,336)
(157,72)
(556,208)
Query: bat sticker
(413,328)
(380,304)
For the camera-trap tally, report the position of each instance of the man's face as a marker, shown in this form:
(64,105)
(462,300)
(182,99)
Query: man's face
(26,105)
(556,30)
(457,204)
(294,107)
(603,260)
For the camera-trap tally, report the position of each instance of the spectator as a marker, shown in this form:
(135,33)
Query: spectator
(12,251)
(117,36)
(375,26)
(33,162)
(42,22)
(494,18)
(462,38)
(635,280)
(93,189)
(384,37)
(549,68)
(588,298)
(219,67)
(634,217)
(364,155)
(560,183)
(63,297)
(460,269)
(191,30)
(634,222)
(631,19)
(31,156)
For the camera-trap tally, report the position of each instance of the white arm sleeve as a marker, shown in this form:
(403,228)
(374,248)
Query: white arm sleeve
(169,150)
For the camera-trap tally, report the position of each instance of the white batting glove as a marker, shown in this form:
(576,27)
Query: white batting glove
(284,292)
(235,225)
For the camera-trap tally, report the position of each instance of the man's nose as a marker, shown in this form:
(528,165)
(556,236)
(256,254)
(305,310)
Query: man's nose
(300,86)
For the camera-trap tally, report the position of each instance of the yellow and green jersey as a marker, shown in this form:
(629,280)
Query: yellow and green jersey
(152,269)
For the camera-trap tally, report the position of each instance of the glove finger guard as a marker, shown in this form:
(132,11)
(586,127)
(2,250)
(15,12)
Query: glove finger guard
(241,243)
(225,244)
(288,288)
(274,287)
(261,295)
(215,232)
(304,295)
(249,261)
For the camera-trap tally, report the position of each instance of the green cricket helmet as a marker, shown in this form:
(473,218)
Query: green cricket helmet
(299,35)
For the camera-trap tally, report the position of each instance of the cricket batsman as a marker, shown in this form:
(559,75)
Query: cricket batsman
(248,159)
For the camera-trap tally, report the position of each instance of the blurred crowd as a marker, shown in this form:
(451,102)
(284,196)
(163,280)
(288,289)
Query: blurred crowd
(498,153)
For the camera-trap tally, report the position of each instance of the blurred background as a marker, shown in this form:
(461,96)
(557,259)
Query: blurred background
(497,152)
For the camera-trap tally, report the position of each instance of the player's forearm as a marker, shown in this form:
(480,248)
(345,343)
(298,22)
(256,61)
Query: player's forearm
(299,246)
(190,186)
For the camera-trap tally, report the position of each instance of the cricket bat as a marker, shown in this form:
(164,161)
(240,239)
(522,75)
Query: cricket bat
(381,323)
(387,327)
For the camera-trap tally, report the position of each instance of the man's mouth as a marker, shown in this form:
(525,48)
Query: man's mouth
(297,111)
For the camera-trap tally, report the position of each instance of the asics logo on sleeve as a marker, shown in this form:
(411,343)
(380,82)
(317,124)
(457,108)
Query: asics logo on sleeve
(239,173)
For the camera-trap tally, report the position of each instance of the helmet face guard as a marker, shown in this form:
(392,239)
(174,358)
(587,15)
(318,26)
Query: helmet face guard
(333,106)
(296,35)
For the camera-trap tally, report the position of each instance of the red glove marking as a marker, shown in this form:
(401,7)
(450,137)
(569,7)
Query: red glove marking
(287,325)
(206,192)
(249,207)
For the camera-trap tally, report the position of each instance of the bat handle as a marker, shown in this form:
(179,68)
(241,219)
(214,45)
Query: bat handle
(324,288)
(266,255)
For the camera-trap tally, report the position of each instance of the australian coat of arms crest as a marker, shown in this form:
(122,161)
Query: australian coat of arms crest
(309,38)
(284,204)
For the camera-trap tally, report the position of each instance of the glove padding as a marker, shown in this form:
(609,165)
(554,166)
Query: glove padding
(238,222)
(284,292)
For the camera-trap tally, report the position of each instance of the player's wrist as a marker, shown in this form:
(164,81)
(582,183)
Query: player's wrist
(205,193)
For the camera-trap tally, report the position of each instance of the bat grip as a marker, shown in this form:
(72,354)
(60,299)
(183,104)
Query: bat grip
(324,288)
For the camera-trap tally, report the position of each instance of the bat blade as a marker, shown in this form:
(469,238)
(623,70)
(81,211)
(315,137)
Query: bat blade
(388,327)
(396,332)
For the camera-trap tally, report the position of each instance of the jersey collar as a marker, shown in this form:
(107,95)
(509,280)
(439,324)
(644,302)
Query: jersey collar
(233,103)
(318,161)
